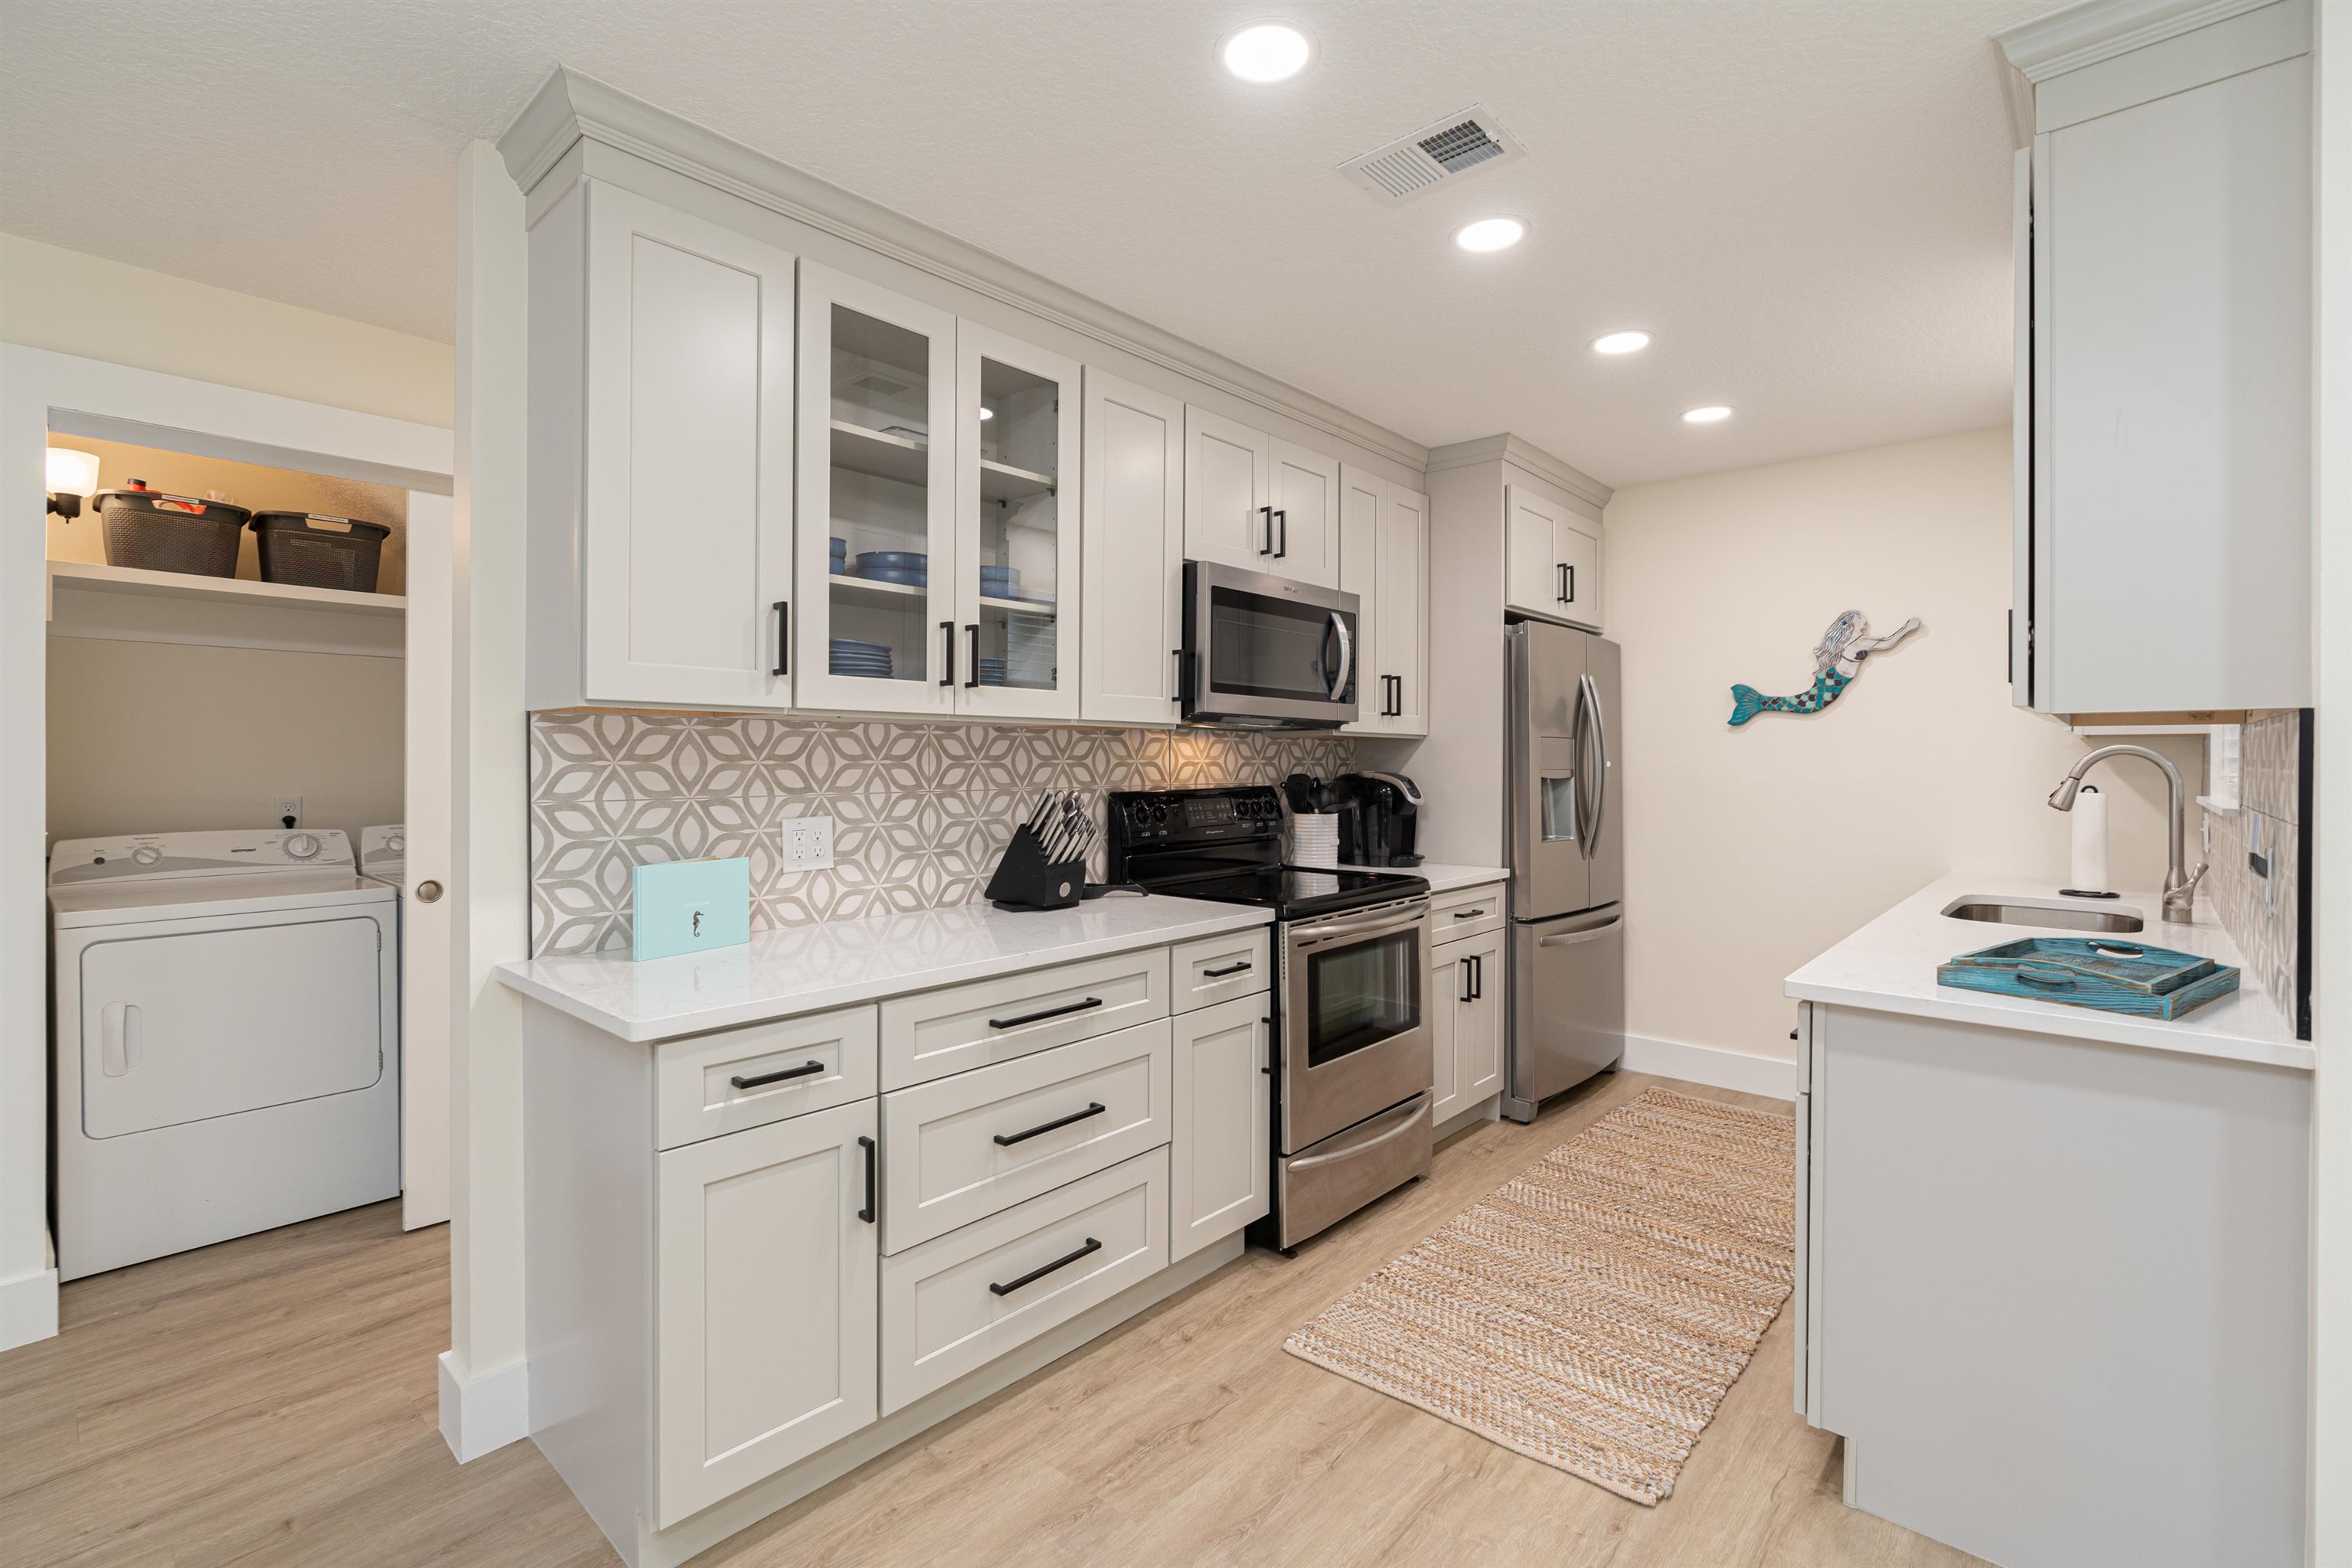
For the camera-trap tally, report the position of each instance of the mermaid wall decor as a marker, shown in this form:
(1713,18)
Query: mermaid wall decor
(1837,660)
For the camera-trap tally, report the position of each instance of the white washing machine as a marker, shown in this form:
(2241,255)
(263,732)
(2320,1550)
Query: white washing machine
(227,1041)
(383,854)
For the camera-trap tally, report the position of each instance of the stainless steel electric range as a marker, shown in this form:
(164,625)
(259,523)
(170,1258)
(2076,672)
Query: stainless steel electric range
(1351,1070)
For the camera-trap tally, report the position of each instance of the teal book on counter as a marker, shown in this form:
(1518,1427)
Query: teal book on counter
(690,906)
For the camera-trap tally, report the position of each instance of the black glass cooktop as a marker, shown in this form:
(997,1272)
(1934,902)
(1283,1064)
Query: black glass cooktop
(1294,891)
(1226,844)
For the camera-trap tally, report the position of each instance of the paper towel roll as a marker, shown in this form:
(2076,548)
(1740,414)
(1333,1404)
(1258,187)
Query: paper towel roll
(2090,826)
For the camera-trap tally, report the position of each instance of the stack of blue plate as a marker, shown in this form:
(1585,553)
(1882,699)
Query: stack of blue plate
(1000,582)
(991,672)
(910,567)
(847,655)
(840,556)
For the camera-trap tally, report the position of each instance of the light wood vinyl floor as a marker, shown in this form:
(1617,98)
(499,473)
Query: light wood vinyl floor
(271,1401)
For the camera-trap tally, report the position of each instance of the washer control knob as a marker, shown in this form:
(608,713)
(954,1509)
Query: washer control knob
(396,842)
(301,846)
(146,855)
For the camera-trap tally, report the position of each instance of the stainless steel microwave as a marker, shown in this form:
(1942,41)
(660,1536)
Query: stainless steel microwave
(1266,652)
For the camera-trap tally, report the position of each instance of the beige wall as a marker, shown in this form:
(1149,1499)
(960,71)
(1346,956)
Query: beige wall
(77,304)
(150,737)
(1747,851)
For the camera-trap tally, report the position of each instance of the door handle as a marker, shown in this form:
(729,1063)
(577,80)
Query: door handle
(1241,968)
(1283,517)
(1177,655)
(1569,568)
(1267,548)
(1048,1013)
(1410,1114)
(1464,994)
(1006,1140)
(972,676)
(866,1213)
(1035,1275)
(1477,976)
(754,1081)
(1346,656)
(1562,595)
(947,630)
(428,892)
(121,1035)
(784,639)
(1570,938)
(1600,765)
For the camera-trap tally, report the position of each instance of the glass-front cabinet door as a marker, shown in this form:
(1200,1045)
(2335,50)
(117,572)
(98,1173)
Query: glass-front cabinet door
(877,603)
(1016,533)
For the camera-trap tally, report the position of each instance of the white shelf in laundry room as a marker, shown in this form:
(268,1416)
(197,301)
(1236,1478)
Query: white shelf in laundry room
(126,605)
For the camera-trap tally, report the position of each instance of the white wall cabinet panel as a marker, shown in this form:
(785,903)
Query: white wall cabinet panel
(1220,1167)
(1305,498)
(1384,561)
(1578,552)
(686,518)
(2168,242)
(1228,516)
(1133,562)
(767,1314)
(876,471)
(1016,555)
(1554,566)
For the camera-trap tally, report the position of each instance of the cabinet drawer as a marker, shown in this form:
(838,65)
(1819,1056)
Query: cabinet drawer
(1467,911)
(958,1028)
(709,1084)
(1218,968)
(1049,1260)
(959,1148)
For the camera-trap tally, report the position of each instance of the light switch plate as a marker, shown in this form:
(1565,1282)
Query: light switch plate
(807,843)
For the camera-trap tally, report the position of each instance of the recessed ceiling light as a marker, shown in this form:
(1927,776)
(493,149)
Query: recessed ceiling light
(1706,415)
(1620,342)
(1266,52)
(1490,233)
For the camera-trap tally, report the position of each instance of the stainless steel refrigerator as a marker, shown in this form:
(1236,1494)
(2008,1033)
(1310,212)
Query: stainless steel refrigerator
(1567,864)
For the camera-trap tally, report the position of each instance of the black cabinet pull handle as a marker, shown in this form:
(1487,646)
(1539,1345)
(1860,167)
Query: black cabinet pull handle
(972,676)
(1283,517)
(948,629)
(1178,654)
(801,1071)
(1562,595)
(1048,1013)
(1228,969)
(784,639)
(1477,976)
(1464,994)
(866,1213)
(1467,914)
(1268,548)
(1569,571)
(1035,1275)
(1006,1140)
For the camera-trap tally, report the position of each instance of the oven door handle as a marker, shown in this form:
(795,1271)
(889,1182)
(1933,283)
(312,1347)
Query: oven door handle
(1411,1111)
(1306,934)
(1569,938)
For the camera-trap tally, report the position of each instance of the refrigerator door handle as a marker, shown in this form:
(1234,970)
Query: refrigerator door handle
(1590,693)
(1579,736)
(1570,938)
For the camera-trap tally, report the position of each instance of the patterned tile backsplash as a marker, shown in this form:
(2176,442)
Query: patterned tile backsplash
(921,811)
(2263,919)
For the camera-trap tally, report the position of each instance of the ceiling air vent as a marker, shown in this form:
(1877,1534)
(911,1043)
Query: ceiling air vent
(1442,150)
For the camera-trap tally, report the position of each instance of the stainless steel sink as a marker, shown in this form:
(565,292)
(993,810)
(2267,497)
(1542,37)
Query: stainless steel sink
(2041,912)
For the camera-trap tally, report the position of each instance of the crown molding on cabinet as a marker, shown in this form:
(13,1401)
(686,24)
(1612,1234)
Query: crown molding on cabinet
(570,107)
(2089,31)
(1527,454)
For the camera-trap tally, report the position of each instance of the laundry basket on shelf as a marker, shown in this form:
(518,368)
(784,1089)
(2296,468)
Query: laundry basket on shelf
(314,551)
(153,531)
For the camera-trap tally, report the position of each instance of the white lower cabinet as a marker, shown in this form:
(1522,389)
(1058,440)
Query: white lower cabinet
(966,1297)
(1222,1166)
(1465,998)
(767,1267)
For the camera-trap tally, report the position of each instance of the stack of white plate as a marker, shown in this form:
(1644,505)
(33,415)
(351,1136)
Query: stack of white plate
(1315,838)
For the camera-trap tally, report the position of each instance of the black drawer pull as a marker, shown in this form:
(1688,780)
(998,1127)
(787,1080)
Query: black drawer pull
(1006,1140)
(1228,969)
(801,1071)
(1467,914)
(1036,1274)
(1048,1013)
(866,1213)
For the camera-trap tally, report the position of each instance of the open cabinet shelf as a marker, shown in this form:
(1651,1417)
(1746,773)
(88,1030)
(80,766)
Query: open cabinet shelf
(126,605)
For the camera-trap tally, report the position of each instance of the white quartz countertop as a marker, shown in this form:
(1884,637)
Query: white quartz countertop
(803,969)
(1889,966)
(1443,879)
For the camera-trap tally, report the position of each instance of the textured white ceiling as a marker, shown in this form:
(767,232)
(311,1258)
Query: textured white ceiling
(1807,203)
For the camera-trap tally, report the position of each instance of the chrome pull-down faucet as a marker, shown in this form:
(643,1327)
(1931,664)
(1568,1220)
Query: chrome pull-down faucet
(2180,882)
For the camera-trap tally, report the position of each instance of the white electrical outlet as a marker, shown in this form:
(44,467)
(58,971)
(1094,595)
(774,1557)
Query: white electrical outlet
(288,813)
(807,843)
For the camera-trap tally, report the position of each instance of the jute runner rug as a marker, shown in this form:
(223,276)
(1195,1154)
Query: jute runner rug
(1592,1311)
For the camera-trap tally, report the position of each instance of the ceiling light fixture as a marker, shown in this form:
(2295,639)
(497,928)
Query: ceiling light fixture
(1620,342)
(987,413)
(1266,52)
(1706,415)
(1490,233)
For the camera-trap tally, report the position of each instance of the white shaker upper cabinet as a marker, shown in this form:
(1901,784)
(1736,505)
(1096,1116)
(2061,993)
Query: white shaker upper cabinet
(1227,515)
(1133,562)
(1305,497)
(1553,568)
(686,514)
(1016,551)
(876,628)
(1384,561)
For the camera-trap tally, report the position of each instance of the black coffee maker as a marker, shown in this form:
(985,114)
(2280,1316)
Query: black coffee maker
(1379,813)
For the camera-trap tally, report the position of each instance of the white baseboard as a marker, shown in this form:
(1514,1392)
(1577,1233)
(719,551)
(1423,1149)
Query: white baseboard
(480,1414)
(1713,1065)
(28,1309)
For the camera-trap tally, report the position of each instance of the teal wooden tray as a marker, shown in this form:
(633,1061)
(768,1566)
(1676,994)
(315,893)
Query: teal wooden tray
(2104,972)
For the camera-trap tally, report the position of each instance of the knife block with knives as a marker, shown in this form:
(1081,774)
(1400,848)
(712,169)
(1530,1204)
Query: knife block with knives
(1044,866)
